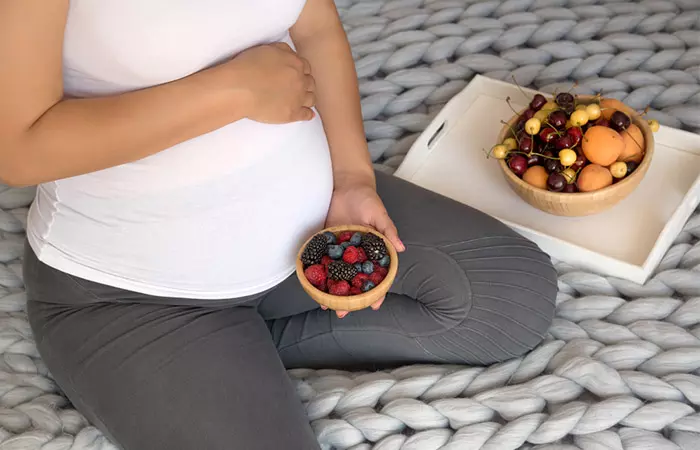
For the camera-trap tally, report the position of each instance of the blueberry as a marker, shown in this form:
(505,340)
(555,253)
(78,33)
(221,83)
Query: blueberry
(367,285)
(384,262)
(367,267)
(358,266)
(335,251)
(356,239)
(330,237)
(345,245)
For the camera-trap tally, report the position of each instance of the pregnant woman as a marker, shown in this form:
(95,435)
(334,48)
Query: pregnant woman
(183,151)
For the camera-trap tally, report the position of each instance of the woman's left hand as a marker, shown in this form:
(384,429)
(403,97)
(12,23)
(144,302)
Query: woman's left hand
(359,204)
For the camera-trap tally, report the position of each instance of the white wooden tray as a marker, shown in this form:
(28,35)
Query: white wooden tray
(627,241)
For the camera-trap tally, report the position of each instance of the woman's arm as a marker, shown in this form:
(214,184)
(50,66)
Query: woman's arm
(44,137)
(320,38)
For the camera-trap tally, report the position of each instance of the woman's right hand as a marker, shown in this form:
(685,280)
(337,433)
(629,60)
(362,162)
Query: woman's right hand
(276,84)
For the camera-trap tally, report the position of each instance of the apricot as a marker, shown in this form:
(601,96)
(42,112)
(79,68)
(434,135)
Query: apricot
(609,105)
(536,176)
(593,177)
(634,144)
(602,145)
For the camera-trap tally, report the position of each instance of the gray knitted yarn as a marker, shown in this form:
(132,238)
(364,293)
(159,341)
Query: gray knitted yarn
(413,55)
(620,369)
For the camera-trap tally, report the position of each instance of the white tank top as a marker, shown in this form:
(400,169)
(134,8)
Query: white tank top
(219,216)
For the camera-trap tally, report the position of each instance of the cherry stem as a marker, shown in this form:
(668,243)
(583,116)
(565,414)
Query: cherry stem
(533,153)
(511,106)
(512,130)
(521,89)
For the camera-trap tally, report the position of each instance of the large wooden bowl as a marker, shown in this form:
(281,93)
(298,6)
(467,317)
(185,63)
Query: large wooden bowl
(581,203)
(351,302)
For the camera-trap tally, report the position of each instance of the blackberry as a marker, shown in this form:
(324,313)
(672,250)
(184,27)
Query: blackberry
(340,270)
(314,250)
(374,246)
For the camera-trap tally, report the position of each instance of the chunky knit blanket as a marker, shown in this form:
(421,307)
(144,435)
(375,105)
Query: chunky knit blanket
(620,369)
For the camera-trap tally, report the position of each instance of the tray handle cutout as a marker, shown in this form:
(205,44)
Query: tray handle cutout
(437,134)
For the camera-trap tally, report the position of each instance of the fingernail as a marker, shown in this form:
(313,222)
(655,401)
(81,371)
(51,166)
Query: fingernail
(324,307)
(342,314)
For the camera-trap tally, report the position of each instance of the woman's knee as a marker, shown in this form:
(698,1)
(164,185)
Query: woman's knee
(509,287)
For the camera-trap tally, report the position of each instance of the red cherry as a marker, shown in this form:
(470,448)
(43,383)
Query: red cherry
(580,161)
(548,134)
(527,115)
(534,160)
(557,119)
(602,122)
(575,134)
(562,142)
(518,164)
(570,188)
(538,101)
(527,144)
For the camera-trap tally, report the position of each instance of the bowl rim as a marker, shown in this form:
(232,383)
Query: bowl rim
(390,276)
(639,173)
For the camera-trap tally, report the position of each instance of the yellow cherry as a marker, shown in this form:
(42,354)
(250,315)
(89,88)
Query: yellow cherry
(567,157)
(510,143)
(593,111)
(579,118)
(569,174)
(532,126)
(654,125)
(618,169)
(499,151)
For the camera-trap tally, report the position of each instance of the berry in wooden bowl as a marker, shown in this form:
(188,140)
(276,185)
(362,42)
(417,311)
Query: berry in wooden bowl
(347,268)
(575,155)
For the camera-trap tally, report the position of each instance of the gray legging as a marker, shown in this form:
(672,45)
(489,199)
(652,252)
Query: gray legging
(162,373)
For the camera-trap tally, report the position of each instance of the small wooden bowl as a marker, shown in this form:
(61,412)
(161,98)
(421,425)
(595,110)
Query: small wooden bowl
(581,203)
(351,302)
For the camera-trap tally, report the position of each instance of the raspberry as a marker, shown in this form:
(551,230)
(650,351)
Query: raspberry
(326,260)
(350,255)
(355,291)
(340,288)
(362,256)
(330,282)
(316,274)
(344,236)
(323,287)
(359,279)
(383,271)
(376,278)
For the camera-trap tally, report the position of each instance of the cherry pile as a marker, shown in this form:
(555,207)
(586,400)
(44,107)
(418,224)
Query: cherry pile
(571,145)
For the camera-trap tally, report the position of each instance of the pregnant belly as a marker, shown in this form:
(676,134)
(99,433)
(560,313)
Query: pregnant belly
(198,217)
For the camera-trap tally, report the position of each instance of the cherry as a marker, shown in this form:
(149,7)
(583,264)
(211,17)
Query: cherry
(564,98)
(548,134)
(570,188)
(576,134)
(553,165)
(563,141)
(527,144)
(538,101)
(602,122)
(534,160)
(518,164)
(557,119)
(580,161)
(619,121)
(527,115)
(631,166)
(556,182)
